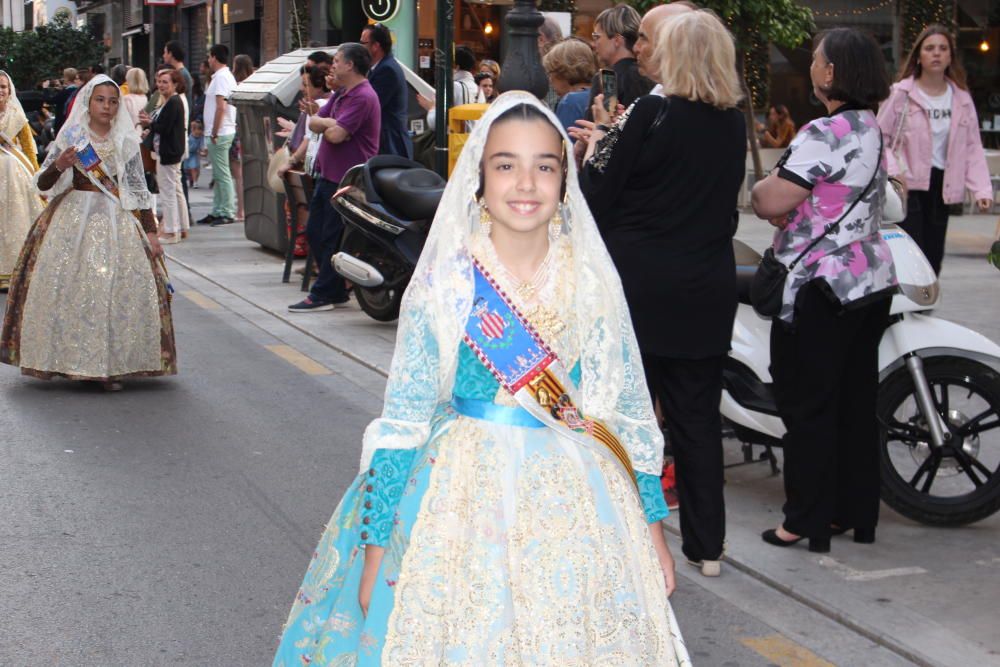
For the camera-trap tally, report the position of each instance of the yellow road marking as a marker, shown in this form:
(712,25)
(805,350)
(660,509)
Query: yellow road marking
(200,299)
(784,652)
(299,360)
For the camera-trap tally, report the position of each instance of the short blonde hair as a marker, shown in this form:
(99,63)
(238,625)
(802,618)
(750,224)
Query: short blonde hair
(137,82)
(697,59)
(571,60)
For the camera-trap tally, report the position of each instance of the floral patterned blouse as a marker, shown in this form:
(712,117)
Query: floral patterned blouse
(834,157)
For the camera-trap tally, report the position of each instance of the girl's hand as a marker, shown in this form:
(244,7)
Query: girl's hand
(66,159)
(985,204)
(154,244)
(373,560)
(601,115)
(665,557)
(780,223)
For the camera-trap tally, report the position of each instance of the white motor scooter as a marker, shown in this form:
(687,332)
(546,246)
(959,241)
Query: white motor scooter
(938,403)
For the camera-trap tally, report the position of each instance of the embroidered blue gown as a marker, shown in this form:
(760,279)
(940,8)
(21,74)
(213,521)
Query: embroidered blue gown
(505,543)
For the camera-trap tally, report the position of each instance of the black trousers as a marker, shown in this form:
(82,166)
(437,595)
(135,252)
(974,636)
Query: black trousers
(690,391)
(825,372)
(927,219)
(324,230)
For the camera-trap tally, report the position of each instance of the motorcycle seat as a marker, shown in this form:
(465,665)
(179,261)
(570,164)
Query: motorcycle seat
(412,193)
(747,260)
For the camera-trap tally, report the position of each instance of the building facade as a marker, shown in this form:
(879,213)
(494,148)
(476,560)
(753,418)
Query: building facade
(135,31)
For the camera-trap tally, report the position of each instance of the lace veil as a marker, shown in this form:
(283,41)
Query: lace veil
(127,164)
(438,301)
(13,119)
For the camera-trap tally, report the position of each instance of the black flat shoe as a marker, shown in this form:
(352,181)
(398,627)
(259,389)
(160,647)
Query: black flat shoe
(820,545)
(207,220)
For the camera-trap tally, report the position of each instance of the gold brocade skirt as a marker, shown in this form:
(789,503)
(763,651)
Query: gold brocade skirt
(86,300)
(21,205)
(510,546)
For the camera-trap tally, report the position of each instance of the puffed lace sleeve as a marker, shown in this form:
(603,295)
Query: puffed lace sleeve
(633,421)
(134,194)
(412,392)
(636,427)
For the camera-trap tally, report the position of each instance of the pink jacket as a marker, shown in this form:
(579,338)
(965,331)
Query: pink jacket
(966,163)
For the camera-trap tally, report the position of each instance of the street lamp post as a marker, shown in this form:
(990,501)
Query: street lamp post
(522,69)
(443,77)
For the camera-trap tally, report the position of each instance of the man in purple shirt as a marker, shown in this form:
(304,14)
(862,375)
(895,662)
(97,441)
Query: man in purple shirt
(350,123)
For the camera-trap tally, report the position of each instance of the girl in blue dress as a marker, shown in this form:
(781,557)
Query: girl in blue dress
(508,506)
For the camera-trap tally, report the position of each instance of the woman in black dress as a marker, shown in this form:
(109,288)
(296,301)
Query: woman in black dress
(662,183)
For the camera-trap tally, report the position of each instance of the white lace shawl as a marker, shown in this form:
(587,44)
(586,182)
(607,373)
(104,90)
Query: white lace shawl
(439,298)
(127,168)
(13,118)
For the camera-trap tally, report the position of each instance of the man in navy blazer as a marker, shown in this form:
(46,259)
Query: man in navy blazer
(386,77)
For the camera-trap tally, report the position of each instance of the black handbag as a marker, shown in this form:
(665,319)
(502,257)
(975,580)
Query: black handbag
(768,285)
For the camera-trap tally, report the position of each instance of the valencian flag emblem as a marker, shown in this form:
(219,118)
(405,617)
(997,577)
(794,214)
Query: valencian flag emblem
(491,323)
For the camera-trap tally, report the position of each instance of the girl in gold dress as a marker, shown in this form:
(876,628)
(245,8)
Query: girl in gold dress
(508,507)
(18,164)
(89,299)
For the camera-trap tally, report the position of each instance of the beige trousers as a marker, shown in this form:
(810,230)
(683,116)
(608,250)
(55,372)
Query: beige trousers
(171,199)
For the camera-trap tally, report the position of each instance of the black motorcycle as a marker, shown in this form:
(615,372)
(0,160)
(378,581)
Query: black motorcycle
(387,205)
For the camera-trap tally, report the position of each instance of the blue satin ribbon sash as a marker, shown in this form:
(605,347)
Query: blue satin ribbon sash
(491,412)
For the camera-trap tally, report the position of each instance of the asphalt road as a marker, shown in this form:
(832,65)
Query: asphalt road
(170,524)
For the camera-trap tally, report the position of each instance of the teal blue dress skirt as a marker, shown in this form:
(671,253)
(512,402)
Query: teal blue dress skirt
(505,543)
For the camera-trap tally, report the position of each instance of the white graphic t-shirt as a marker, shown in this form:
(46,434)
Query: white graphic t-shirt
(938,110)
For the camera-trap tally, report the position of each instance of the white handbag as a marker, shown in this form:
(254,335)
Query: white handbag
(894,201)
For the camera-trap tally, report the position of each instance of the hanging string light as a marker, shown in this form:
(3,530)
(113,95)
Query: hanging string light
(853,11)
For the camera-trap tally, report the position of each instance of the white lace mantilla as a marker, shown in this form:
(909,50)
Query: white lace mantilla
(439,299)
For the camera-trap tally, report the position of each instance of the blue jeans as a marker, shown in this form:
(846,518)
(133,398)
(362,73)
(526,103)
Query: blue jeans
(324,231)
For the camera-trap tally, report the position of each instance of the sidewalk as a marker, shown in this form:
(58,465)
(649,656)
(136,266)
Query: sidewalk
(928,594)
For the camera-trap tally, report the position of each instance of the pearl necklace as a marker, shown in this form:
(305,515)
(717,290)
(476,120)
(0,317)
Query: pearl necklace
(524,290)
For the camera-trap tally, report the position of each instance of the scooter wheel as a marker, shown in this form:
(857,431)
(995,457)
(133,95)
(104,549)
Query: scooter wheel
(380,303)
(958,483)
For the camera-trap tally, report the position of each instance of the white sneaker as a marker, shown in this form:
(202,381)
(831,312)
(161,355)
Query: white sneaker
(709,568)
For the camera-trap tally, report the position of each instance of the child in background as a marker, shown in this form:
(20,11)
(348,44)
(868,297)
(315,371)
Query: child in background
(196,145)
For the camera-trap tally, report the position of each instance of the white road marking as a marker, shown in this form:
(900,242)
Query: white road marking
(850,574)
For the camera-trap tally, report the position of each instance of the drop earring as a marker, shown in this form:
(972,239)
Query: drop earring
(556,223)
(485,221)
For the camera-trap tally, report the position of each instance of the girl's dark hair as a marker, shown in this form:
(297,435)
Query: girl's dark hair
(528,113)
(859,71)
(522,112)
(782,110)
(911,66)
(317,75)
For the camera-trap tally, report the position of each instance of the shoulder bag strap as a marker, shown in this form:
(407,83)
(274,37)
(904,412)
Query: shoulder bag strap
(901,125)
(834,225)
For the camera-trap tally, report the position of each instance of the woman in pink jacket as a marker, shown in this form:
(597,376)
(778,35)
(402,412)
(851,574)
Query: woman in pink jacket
(932,140)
